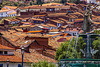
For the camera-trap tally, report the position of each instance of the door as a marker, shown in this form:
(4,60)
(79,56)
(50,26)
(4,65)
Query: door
(19,65)
(1,65)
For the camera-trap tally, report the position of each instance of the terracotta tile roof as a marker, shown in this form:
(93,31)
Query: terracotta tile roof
(56,14)
(81,5)
(7,19)
(64,26)
(34,25)
(17,39)
(57,21)
(3,58)
(39,16)
(52,4)
(24,18)
(11,20)
(64,39)
(34,56)
(44,25)
(19,30)
(53,35)
(24,26)
(74,29)
(38,35)
(37,19)
(54,30)
(5,47)
(70,22)
(27,7)
(77,13)
(9,7)
(54,43)
(68,38)
(71,16)
(25,22)
(96,18)
(96,22)
(12,13)
(34,31)
(51,25)
(4,11)
(71,4)
(62,19)
(79,20)
(19,18)
(42,7)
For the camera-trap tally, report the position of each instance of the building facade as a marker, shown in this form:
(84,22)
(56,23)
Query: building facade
(7,13)
(8,59)
(11,64)
(91,1)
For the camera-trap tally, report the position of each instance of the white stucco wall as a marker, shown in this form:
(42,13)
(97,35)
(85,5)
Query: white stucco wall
(91,1)
(15,64)
(3,14)
(6,14)
(10,53)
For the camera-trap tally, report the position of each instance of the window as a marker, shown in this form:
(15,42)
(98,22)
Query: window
(1,52)
(1,65)
(5,52)
(50,9)
(45,20)
(38,21)
(42,22)
(34,21)
(47,9)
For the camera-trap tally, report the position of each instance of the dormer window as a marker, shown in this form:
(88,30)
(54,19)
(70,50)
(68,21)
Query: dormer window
(8,51)
(1,52)
(5,52)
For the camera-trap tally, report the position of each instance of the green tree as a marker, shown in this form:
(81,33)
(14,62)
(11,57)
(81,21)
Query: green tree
(97,31)
(72,1)
(43,64)
(2,20)
(31,3)
(96,46)
(68,49)
(77,1)
(63,1)
(15,4)
(39,2)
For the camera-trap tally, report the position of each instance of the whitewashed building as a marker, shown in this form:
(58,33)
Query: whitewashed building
(7,13)
(91,1)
